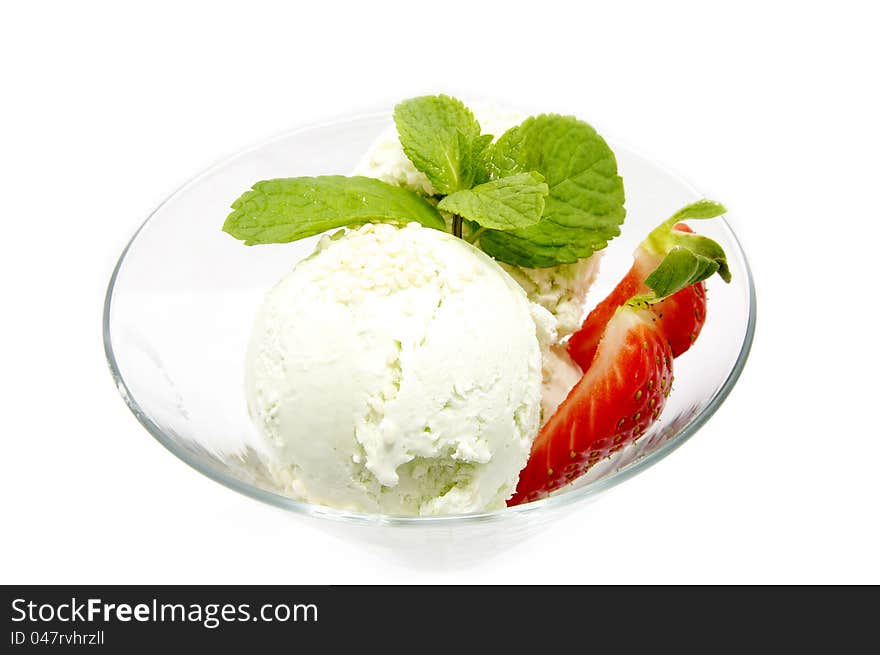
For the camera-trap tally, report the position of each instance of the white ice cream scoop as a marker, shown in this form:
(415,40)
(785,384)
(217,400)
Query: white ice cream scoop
(396,370)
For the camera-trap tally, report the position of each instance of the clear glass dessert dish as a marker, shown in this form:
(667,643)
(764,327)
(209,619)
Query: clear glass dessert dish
(182,299)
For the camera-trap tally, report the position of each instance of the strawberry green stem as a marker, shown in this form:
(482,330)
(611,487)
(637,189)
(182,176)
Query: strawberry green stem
(687,258)
(661,239)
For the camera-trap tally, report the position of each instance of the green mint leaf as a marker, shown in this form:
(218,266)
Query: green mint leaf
(287,209)
(584,207)
(441,137)
(479,158)
(510,202)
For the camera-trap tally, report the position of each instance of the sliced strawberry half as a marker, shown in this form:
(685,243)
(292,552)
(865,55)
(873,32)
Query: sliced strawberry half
(626,347)
(668,250)
(616,400)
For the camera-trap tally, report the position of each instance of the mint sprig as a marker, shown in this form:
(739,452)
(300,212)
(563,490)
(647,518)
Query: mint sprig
(288,209)
(546,193)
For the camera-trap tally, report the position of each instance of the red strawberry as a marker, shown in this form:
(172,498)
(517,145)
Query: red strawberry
(683,313)
(616,400)
(625,348)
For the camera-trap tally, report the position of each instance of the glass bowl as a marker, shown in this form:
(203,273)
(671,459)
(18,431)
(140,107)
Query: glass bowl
(181,300)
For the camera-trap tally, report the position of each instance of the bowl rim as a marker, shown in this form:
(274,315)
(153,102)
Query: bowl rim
(448,520)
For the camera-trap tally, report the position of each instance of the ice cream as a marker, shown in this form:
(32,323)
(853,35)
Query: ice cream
(398,371)
(561,290)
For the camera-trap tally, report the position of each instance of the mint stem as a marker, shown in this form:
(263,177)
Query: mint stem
(475,236)
(456,226)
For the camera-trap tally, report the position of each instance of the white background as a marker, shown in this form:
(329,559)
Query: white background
(771,107)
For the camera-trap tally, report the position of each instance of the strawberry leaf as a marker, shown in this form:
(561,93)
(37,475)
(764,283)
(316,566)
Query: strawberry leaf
(662,238)
(703,247)
(679,269)
(688,258)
